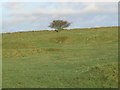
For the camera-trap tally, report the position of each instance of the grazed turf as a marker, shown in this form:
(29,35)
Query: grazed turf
(78,58)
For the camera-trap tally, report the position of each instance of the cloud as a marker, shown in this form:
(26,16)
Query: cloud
(40,14)
(12,5)
(23,19)
(98,8)
(60,8)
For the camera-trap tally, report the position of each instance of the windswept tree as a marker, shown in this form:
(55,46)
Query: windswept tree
(59,25)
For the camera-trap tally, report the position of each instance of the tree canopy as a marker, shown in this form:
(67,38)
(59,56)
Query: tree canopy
(59,25)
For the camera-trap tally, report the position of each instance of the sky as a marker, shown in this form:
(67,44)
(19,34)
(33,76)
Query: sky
(34,16)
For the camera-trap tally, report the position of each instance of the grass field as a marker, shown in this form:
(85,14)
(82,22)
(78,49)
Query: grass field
(76,58)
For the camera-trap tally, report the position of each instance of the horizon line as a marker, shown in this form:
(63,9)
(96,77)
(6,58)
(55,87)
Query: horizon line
(63,29)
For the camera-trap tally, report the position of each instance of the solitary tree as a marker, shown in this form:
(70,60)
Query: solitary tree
(59,25)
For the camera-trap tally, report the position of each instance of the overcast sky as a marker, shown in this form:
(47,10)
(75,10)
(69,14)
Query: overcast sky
(29,16)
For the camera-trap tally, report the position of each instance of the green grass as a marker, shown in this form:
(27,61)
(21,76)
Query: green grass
(77,58)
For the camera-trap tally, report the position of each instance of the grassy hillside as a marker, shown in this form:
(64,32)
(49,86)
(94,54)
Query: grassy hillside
(78,58)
